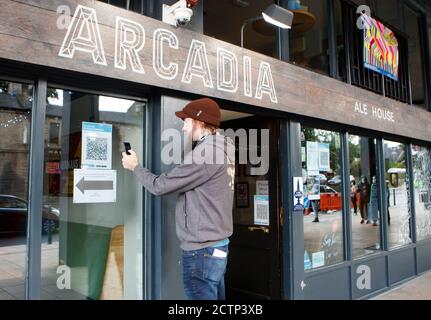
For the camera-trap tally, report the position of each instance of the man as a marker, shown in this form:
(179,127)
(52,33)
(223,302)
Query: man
(364,198)
(204,205)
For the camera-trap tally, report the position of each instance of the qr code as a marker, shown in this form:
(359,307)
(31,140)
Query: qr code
(97,148)
(261,212)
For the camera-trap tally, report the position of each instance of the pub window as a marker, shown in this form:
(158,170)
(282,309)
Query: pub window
(397,195)
(421,158)
(390,11)
(223,20)
(323,191)
(308,38)
(117,3)
(89,232)
(364,196)
(364,77)
(16,103)
(339,40)
(416,61)
(133,5)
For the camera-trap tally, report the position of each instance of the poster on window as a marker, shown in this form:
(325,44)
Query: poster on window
(312,158)
(324,157)
(380,48)
(262,187)
(318,259)
(96,146)
(261,210)
(241,195)
(313,187)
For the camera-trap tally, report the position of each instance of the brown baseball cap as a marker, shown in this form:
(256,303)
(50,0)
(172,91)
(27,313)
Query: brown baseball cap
(204,109)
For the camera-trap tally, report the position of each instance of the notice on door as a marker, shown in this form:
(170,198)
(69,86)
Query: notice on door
(261,210)
(94,186)
(262,187)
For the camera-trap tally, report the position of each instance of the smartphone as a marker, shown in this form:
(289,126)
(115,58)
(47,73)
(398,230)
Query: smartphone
(127,147)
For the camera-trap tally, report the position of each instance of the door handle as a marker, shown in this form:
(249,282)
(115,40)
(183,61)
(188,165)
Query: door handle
(264,229)
(303,285)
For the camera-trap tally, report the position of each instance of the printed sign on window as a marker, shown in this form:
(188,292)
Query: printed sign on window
(96,146)
(313,156)
(324,164)
(261,210)
(318,259)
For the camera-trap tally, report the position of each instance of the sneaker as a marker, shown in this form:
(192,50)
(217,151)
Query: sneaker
(374,224)
(368,222)
(362,221)
(316,220)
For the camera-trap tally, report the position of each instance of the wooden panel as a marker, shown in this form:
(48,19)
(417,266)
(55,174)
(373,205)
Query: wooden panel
(114,274)
(29,27)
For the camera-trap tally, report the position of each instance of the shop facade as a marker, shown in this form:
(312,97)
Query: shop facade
(80,77)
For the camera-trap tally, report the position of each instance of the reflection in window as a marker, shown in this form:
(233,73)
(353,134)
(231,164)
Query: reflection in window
(416,62)
(421,158)
(398,194)
(389,11)
(133,5)
(15,123)
(224,21)
(308,37)
(364,198)
(339,39)
(323,214)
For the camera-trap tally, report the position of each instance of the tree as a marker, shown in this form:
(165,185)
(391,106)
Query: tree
(51,93)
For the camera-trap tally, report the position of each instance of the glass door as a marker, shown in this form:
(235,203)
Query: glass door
(92,244)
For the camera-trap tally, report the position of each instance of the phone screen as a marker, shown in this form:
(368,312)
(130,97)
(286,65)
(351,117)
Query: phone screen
(127,147)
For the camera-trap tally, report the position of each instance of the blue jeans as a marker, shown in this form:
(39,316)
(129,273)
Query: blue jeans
(203,274)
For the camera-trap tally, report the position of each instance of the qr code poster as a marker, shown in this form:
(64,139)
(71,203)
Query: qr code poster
(261,210)
(96,146)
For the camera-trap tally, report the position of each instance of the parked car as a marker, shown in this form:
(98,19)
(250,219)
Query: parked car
(326,189)
(13,216)
(323,179)
(337,180)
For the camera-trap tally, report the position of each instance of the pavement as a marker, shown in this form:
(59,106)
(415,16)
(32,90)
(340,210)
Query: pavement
(416,289)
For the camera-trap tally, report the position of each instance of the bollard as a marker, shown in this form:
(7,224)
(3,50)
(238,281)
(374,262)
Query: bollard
(49,231)
(49,225)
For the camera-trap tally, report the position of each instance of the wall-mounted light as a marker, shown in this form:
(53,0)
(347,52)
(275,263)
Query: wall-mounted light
(275,15)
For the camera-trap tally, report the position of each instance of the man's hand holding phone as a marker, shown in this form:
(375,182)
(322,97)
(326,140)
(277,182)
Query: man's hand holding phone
(130,159)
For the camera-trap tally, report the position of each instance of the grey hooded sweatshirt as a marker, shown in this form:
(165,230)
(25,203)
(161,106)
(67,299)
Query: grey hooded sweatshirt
(205,183)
